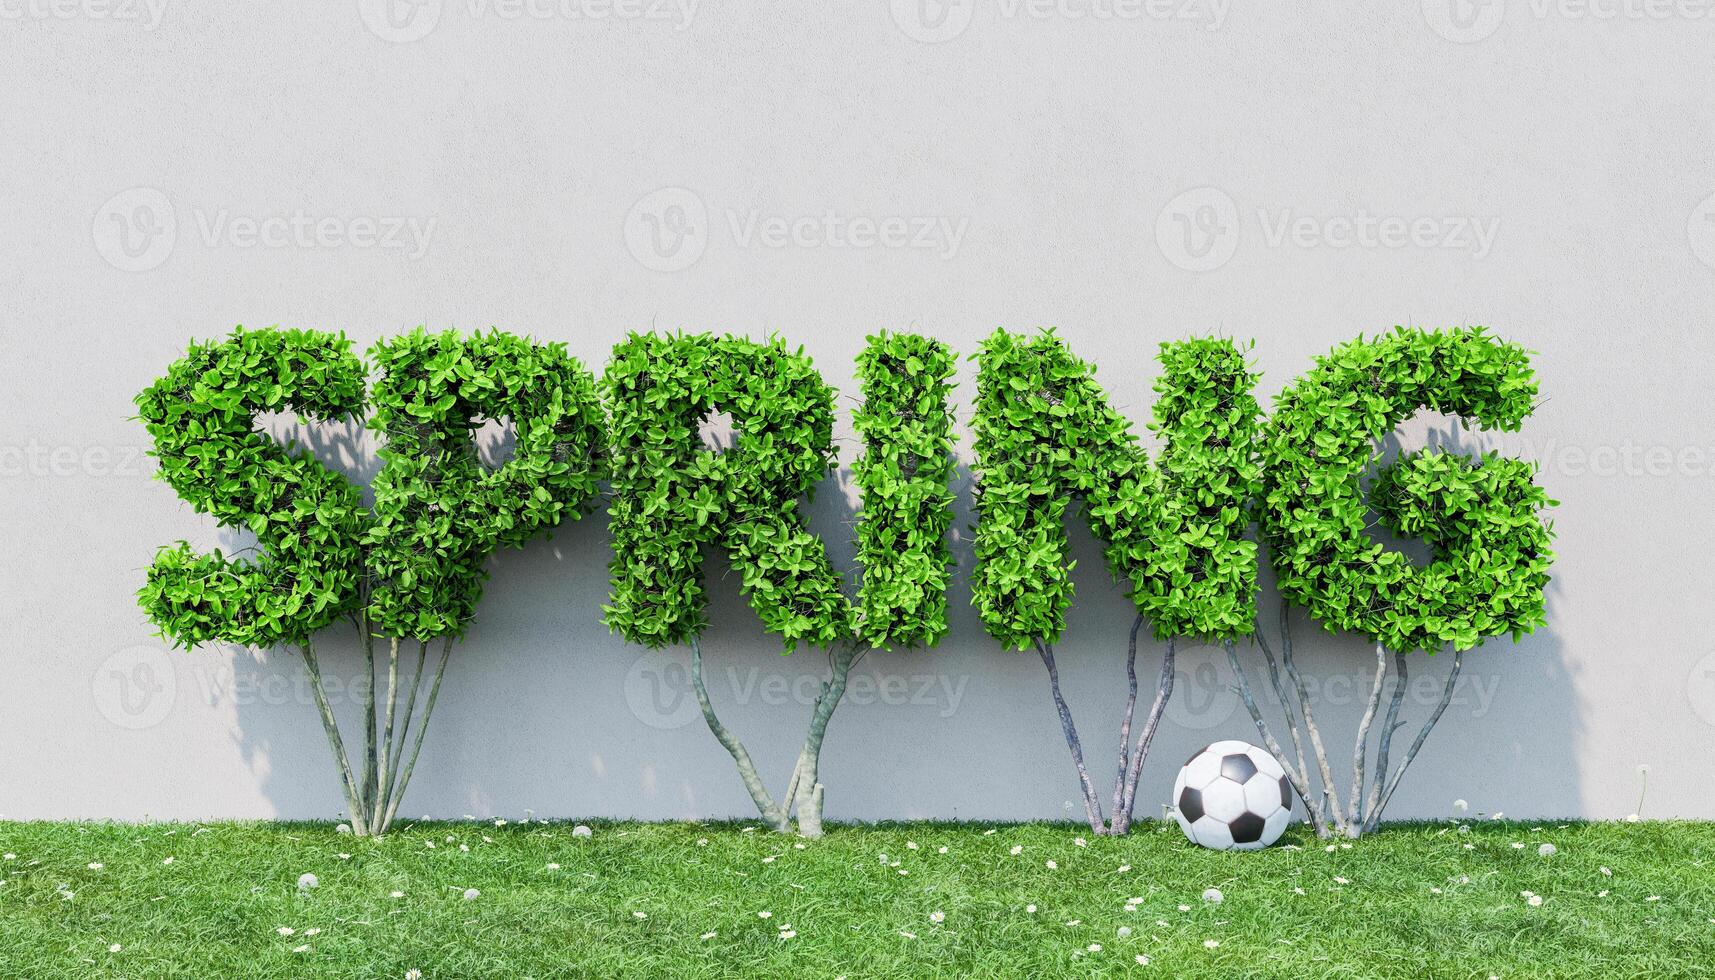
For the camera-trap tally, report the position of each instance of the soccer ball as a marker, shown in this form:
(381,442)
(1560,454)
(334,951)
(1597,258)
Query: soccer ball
(1232,796)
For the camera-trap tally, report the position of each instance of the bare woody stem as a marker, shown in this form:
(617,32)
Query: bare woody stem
(397,747)
(353,801)
(1330,803)
(1243,687)
(1092,806)
(1315,810)
(370,790)
(383,759)
(775,815)
(404,778)
(1355,815)
(1163,691)
(1119,806)
(1390,725)
(1417,743)
(809,796)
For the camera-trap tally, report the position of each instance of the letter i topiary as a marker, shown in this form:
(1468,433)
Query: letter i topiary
(410,570)
(672,497)
(1481,518)
(1173,533)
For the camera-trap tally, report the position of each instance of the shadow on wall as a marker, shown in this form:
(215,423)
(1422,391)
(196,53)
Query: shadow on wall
(545,712)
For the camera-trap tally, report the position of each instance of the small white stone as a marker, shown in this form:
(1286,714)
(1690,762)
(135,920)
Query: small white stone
(471,894)
(1213,896)
(1546,850)
(343,828)
(581,831)
(307,881)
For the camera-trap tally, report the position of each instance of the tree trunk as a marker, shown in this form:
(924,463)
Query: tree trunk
(1092,806)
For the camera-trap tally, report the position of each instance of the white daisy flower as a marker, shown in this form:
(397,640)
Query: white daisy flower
(96,865)
(640,915)
(1051,866)
(167,860)
(937,916)
(707,935)
(1142,960)
(115,948)
(765,915)
(1211,944)
(1017,849)
(286,931)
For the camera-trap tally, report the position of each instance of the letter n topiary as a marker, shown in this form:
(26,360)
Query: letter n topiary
(1173,534)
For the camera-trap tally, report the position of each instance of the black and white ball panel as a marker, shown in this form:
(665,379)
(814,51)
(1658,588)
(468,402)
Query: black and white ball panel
(1232,795)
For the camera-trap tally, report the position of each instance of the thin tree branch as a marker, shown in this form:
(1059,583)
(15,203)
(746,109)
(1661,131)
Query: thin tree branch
(1355,815)
(422,730)
(1411,753)
(354,803)
(1125,723)
(1390,725)
(382,759)
(1092,806)
(746,769)
(1243,688)
(1330,801)
(1163,691)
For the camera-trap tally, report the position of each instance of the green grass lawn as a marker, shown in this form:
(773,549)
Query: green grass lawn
(952,900)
